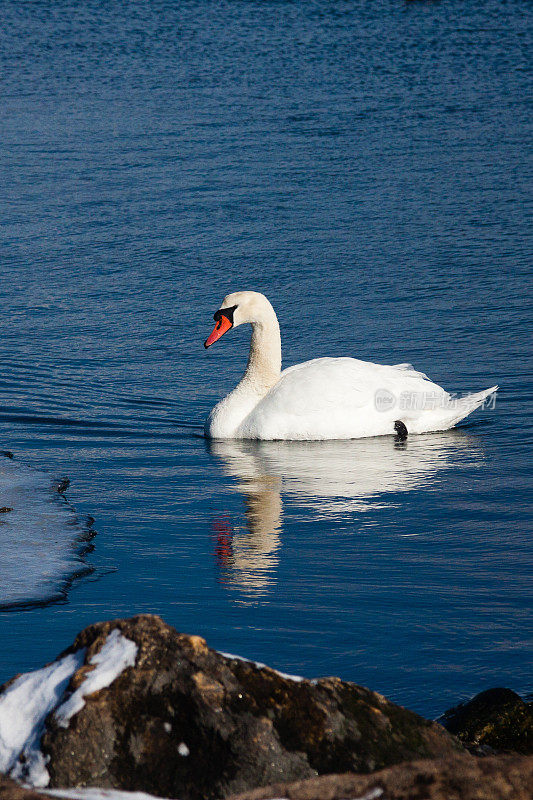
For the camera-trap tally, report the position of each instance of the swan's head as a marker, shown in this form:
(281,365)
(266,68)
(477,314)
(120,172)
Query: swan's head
(238,308)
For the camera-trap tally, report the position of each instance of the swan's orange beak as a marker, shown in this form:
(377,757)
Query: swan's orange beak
(223,325)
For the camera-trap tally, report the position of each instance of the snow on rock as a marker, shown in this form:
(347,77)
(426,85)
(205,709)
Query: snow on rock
(117,794)
(26,703)
(24,706)
(116,654)
(100,794)
(260,665)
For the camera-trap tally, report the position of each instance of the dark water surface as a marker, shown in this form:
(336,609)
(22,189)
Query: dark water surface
(366,165)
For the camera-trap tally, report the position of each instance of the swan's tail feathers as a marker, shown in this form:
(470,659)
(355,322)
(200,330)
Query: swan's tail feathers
(448,413)
(476,399)
(461,407)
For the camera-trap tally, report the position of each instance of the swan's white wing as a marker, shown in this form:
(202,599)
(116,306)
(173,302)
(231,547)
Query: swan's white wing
(334,398)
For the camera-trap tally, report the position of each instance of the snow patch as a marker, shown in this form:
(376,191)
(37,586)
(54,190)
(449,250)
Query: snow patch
(183,750)
(100,794)
(260,665)
(373,794)
(24,707)
(117,794)
(27,702)
(116,654)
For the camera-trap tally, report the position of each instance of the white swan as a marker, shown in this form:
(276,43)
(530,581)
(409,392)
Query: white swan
(326,398)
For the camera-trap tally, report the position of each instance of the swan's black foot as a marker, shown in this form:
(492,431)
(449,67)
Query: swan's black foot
(401,431)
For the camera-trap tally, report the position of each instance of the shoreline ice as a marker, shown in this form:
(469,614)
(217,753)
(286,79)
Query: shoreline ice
(41,537)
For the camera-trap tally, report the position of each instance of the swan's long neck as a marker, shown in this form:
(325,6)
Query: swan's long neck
(264,362)
(262,370)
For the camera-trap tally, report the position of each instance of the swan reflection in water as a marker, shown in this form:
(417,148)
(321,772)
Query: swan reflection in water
(332,479)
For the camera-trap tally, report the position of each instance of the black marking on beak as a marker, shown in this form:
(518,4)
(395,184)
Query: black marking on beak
(224,322)
(224,312)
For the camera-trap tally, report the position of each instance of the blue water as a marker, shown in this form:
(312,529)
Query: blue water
(364,164)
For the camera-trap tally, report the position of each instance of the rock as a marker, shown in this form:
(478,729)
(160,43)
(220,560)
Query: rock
(11,790)
(188,722)
(495,720)
(459,777)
